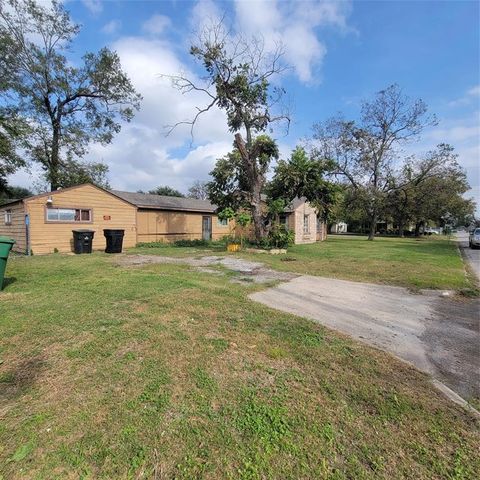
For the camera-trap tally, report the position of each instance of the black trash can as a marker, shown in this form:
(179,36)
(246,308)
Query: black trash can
(114,240)
(82,241)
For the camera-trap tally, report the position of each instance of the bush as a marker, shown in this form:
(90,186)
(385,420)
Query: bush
(184,243)
(278,237)
(192,243)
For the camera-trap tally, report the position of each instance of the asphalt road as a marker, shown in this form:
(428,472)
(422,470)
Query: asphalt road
(472,256)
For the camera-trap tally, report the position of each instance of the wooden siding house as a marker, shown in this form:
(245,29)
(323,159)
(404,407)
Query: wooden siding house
(43,223)
(168,219)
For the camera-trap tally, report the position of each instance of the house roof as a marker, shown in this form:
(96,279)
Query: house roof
(294,204)
(61,190)
(9,201)
(163,202)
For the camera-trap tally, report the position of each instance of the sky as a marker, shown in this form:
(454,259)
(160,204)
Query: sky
(339,53)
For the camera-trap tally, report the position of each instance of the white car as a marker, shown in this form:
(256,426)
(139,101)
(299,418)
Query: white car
(474,238)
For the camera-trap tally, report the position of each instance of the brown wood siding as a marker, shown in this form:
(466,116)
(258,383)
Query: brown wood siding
(108,211)
(16,229)
(169,226)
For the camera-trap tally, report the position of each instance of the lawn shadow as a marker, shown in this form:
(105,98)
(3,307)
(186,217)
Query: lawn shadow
(8,281)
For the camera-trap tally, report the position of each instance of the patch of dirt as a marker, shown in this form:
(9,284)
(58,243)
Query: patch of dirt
(248,272)
(18,378)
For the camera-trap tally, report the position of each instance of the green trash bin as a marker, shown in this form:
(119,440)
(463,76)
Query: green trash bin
(6,245)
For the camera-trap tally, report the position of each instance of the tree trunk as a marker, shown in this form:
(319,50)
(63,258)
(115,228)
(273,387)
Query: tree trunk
(255,186)
(373,227)
(401,226)
(418,225)
(53,173)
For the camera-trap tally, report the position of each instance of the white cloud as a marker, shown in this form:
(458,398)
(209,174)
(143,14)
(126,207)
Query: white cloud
(112,27)
(463,134)
(95,6)
(204,13)
(156,25)
(295,25)
(474,91)
(471,95)
(141,156)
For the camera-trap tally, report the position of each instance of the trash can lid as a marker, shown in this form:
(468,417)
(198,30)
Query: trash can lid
(6,240)
(83,231)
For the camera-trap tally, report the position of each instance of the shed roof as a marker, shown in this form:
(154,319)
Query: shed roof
(163,202)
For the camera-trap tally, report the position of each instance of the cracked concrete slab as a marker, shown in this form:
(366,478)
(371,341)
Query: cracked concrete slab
(248,271)
(425,329)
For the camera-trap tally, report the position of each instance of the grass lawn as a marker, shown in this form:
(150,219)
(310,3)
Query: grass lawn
(414,263)
(160,372)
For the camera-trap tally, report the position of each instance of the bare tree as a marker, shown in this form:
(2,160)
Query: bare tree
(238,79)
(198,190)
(366,154)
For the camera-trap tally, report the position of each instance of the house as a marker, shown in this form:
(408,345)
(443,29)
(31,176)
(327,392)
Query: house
(168,219)
(302,218)
(43,223)
(339,227)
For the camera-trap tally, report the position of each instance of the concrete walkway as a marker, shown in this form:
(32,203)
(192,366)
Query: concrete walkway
(438,335)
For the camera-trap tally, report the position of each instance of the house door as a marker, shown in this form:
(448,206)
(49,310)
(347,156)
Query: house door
(207,228)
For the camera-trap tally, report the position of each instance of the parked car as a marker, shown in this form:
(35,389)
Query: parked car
(474,238)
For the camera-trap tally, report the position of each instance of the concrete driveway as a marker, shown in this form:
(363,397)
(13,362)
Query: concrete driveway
(438,335)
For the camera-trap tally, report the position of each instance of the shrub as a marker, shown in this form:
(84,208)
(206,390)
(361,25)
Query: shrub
(278,237)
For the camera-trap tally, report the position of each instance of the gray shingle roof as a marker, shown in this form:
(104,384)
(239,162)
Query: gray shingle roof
(162,202)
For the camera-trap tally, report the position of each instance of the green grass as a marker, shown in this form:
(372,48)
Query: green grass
(165,372)
(414,263)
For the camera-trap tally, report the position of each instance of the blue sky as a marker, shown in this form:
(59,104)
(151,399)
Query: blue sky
(340,52)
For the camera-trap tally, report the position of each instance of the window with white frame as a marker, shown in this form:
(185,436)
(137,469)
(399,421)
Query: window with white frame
(306,224)
(8,217)
(69,215)
(223,222)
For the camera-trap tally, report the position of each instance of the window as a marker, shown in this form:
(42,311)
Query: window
(223,222)
(8,217)
(282,219)
(69,215)
(306,224)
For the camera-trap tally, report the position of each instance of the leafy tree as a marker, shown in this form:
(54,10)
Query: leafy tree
(304,177)
(166,191)
(365,154)
(198,190)
(69,105)
(13,132)
(234,186)
(76,173)
(429,189)
(14,193)
(238,81)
